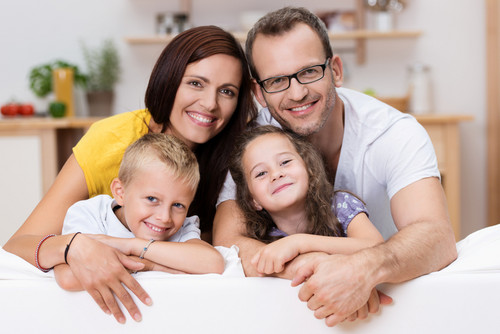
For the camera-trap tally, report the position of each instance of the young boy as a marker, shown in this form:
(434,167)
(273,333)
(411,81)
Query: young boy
(146,217)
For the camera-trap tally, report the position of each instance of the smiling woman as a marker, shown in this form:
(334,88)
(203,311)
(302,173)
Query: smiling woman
(199,91)
(206,99)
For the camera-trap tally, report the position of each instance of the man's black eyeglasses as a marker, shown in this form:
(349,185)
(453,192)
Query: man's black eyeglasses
(306,76)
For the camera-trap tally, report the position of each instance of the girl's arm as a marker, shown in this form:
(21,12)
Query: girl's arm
(361,233)
(193,256)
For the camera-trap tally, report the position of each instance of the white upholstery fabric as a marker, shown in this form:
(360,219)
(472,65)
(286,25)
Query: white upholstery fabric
(462,298)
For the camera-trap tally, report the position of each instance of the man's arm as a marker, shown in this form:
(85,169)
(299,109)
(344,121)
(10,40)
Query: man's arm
(425,241)
(339,285)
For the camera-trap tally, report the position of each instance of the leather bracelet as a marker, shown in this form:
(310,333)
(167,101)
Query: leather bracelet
(67,247)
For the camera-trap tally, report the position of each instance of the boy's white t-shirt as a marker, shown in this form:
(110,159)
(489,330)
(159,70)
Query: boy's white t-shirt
(96,216)
(383,151)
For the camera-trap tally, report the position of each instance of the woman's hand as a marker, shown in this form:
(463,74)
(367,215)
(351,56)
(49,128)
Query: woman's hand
(102,272)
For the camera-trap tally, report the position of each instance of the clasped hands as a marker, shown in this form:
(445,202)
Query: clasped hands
(335,287)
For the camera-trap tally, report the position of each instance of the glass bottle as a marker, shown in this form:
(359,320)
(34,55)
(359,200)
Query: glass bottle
(63,88)
(420,89)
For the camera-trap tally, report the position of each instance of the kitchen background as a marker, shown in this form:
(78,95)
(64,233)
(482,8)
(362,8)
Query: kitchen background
(34,32)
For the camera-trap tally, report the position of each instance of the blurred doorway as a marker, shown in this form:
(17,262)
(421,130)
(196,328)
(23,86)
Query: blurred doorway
(493,108)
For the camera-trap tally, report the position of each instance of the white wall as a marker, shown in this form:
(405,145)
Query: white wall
(20,181)
(33,32)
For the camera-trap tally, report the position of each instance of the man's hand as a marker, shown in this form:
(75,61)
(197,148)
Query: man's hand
(338,288)
(376,299)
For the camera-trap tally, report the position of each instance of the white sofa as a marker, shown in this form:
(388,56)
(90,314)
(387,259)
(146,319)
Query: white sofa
(462,298)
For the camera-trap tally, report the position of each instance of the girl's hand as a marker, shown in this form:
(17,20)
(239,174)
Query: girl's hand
(273,257)
(102,271)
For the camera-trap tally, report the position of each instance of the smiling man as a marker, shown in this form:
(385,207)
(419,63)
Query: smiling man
(371,149)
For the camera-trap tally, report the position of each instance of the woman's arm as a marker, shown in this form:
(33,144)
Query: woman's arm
(65,278)
(193,256)
(99,268)
(360,234)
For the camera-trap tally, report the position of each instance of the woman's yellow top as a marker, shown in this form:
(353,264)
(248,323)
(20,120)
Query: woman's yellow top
(100,151)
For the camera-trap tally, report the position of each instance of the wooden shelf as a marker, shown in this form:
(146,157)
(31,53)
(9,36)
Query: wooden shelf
(429,119)
(359,36)
(241,36)
(42,123)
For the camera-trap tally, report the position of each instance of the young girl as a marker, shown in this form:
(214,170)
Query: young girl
(146,217)
(283,190)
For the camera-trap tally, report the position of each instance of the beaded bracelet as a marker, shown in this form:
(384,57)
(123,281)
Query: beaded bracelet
(36,253)
(67,247)
(145,249)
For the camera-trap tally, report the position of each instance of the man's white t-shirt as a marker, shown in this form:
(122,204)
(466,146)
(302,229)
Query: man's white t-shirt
(383,151)
(96,216)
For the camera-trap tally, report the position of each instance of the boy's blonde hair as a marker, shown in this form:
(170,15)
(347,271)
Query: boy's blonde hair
(176,156)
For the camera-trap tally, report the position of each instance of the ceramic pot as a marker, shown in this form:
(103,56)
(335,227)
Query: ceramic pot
(100,103)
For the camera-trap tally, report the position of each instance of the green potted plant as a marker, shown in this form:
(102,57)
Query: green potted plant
(103,71)
(57,77)
(40,77)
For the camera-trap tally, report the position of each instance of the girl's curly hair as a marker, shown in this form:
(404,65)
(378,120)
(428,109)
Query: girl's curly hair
(259,224)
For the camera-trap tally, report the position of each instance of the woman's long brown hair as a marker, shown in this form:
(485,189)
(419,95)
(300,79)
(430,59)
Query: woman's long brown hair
(188,47)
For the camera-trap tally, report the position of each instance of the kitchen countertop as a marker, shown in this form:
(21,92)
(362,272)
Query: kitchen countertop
(40,122)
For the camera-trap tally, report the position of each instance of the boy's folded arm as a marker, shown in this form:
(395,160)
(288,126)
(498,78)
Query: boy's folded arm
(193,256)
(124,245)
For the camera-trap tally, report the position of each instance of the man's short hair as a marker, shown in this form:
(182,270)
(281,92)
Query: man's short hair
(281,21)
